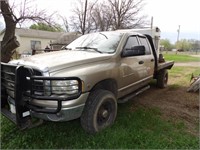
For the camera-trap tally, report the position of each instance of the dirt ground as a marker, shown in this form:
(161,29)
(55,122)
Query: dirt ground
(176,104)
(192,64)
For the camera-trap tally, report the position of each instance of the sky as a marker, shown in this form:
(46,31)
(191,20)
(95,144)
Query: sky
(167,15)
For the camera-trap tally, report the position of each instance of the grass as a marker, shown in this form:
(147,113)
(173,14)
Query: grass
(181,75)
(139,129)
(181,58)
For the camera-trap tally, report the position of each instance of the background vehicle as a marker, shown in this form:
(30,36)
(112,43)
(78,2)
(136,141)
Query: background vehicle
(87,80)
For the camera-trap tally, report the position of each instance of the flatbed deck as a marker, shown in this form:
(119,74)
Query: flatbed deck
(165,65)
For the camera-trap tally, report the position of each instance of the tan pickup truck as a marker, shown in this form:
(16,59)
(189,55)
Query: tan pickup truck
(86,80)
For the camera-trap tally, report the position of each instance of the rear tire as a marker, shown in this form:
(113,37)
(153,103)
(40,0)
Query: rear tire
(162,78)
(100,111)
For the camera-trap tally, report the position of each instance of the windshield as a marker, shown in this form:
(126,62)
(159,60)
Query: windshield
(102,42)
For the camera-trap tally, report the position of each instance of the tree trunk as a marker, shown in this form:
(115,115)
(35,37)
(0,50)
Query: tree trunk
(9,43)
(9,48)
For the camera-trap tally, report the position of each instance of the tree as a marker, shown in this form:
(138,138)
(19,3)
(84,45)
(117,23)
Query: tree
(65,23)
(112,15)
(18,15)
(183,44)
(166,43)
(195,45)
(46,27)
(81,20)
(102,17)
(125,13)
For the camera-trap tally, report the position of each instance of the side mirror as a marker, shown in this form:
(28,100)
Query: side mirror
(134,51)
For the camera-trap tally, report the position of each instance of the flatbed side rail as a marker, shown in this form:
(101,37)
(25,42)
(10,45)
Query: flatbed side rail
(165,65)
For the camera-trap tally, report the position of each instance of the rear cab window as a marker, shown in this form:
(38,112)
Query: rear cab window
(144,41)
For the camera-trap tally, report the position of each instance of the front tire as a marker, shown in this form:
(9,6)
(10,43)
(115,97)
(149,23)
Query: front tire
(100,111)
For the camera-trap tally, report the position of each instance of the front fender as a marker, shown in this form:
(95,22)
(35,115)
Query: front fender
(91,74)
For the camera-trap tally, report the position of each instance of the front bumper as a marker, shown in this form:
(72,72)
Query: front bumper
(70,110)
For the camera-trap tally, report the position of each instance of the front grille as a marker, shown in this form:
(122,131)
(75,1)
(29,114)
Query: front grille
(8,77)
(40,87)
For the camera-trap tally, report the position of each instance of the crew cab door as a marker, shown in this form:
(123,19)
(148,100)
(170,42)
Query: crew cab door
(137,68)
(149,60)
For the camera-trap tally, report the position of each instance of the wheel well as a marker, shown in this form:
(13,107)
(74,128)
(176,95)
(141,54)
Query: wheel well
(108,84)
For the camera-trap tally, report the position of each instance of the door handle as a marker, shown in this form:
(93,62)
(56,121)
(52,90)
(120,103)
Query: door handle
(152,60)
(141,62)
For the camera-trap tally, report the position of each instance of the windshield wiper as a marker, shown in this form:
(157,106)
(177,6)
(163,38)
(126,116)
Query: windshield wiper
(103,35)
(65,48)
(89,48)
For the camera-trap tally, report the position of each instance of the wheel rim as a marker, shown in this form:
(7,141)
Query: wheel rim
(166,79)
(104,113)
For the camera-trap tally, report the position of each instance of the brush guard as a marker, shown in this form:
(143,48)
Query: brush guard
(25,87)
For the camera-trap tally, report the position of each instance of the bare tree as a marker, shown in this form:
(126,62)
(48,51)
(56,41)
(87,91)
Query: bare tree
(108,15)
(17,15)
(125,13)
(102,17)
(82,17)
(65,23)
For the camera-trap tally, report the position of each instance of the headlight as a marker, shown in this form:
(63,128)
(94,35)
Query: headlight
(68,87)
(47,87)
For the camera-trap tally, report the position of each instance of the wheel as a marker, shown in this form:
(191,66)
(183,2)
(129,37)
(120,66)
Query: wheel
(100,111)
(162,78)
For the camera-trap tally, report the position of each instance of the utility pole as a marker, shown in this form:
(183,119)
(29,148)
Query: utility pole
(84,19)
(178,32)
(152,22)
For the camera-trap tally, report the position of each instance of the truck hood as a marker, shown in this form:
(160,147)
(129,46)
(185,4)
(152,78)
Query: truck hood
(54,61)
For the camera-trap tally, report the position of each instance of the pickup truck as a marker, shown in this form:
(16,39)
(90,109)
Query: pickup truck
(86,80)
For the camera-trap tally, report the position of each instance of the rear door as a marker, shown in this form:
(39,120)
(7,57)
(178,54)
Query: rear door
(148,58)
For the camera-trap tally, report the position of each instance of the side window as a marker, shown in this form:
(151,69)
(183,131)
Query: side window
(144,42)
(132,41)
(35,45)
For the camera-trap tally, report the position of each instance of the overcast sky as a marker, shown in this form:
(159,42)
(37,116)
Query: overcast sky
(167,15)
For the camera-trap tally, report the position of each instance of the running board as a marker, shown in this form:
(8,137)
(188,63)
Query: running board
(132,95)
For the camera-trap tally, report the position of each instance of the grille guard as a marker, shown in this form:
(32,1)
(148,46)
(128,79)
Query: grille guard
(20,92)
(59,99)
